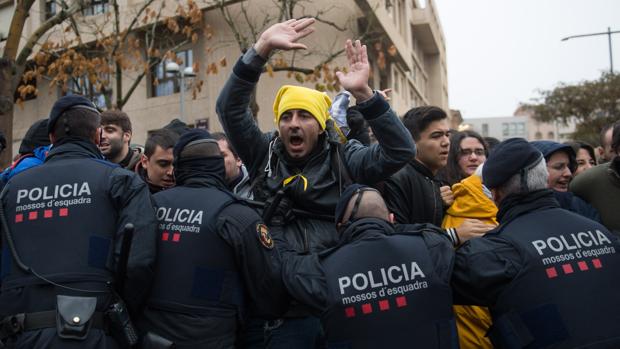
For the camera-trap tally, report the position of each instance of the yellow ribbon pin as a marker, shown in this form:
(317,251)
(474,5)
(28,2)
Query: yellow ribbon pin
(291,178)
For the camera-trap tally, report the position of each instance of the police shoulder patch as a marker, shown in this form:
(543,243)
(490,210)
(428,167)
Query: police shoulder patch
(263,236)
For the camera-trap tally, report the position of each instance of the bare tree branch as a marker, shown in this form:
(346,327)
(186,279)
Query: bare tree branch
(47,25)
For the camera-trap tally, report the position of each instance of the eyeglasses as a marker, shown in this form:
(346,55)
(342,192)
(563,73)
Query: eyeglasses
(468,152)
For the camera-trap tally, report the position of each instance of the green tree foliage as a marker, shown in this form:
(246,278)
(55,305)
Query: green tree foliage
(593,104)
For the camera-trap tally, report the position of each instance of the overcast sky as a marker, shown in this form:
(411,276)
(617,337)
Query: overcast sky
(500,52)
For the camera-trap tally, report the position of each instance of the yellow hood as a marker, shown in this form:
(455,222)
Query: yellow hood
(470,202)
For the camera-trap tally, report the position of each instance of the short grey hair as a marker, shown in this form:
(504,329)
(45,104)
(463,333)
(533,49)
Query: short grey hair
(536,179)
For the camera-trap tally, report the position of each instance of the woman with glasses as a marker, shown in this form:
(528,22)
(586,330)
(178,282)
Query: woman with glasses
(468,151)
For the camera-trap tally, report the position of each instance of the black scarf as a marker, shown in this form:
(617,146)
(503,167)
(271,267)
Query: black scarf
(201,171)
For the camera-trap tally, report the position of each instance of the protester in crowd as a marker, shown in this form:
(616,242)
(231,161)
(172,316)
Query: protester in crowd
(605,151)
(64,222)
(115,138)
(600,186)
(301,171)
(413,194)
(237,176)
(32,150)
(177,126)
(217,262)
(491,142)
(410,305)
(584,155)
(537,284)
(467,151)
(472,200)
(561,164)
(155,166)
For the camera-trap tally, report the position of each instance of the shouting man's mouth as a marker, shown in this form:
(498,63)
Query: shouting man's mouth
(296,141)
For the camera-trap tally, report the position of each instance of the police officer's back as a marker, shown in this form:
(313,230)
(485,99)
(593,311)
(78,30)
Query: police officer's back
(379,287)
(215,257)
(65,219)
(548,276)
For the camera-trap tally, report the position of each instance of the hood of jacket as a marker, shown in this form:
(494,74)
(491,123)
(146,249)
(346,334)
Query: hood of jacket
(470,201)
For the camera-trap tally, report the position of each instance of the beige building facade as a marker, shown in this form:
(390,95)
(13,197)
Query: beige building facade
(407,54)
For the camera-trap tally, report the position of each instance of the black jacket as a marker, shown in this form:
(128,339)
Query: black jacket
(215,261)
(77,207)
(538,271)
(412,194)
(379,287)
(268,165)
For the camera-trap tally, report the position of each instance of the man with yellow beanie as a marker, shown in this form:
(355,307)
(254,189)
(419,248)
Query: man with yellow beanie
(300,170)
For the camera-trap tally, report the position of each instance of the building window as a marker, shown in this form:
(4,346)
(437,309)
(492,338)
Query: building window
(538,135)
(96,7)
(83,86)
(389,7)
(51,8)
(165,84)
(513,129)
(505,131)
(485,130)
(550,135)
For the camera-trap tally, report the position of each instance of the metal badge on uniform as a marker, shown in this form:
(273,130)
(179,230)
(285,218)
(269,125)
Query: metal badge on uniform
(264,236)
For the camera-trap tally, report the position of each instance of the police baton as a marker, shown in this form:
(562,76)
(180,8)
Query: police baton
(121,269)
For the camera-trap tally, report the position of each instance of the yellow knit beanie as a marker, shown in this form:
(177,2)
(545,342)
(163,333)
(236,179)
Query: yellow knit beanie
(298,97)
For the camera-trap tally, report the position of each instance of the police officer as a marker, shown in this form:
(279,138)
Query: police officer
(62,227)
(215,256)
(378,287)
(549,276)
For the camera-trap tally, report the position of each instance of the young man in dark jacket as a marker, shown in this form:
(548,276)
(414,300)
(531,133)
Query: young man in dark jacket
(155,167)
(66,220)
(413,194)
(115,138)
(548,275)
(301,167)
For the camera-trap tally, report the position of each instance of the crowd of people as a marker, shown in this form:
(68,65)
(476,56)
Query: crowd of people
(344,227)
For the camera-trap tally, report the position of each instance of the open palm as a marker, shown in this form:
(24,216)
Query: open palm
(284,36)
(356,79)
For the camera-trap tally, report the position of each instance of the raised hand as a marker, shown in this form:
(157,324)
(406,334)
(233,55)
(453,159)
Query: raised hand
(356,79)
(284,36)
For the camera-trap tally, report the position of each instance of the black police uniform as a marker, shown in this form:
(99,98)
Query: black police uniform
(549,277)
(215,260)
(379,287)
(66,218)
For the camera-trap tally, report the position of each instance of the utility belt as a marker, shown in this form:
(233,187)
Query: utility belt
(73,318)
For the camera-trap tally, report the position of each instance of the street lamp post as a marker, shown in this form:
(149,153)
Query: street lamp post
(608,33)
(174,68)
